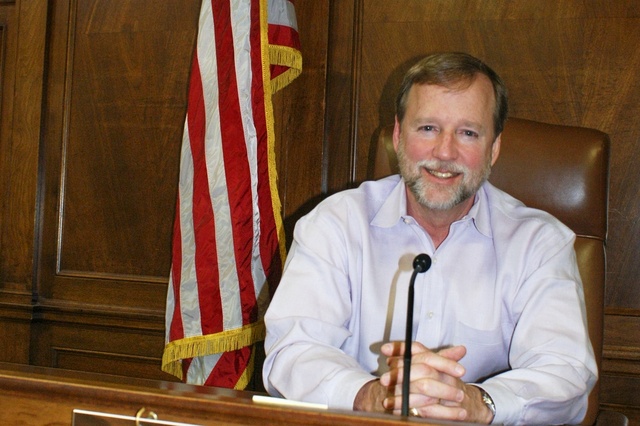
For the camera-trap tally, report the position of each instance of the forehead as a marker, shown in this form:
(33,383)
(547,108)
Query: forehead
(477,90)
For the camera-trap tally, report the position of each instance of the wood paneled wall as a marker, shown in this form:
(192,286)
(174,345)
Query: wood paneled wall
(93,98)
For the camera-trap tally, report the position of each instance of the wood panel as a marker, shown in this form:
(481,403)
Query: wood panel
(23,40)
(94,340)
(620,382)
(120,129)
(117,86)
(22,47)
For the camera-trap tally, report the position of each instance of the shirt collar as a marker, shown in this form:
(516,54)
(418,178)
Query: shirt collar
(480,213)
(394,209)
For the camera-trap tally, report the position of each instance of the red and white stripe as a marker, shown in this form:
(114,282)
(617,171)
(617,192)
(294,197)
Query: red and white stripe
(227,255)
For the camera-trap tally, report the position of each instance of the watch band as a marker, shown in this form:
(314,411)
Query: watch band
(488,401)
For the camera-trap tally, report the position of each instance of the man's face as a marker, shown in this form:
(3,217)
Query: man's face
(445,143)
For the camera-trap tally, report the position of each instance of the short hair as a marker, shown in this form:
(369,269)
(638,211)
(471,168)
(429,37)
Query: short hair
(449,70)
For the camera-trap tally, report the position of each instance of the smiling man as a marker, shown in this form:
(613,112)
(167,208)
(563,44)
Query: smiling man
(500,327)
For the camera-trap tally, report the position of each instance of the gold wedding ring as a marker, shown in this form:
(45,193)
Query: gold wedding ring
(414,412)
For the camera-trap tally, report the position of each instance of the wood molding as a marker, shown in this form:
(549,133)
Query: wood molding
(621,311)
(342,94)
(628,353)
(116,316)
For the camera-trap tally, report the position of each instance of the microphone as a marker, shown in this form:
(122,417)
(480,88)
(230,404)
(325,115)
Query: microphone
(421,263)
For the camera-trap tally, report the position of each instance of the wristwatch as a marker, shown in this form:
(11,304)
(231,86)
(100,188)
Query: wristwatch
(488,401)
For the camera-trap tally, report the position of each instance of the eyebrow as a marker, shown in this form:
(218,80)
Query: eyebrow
(428,120)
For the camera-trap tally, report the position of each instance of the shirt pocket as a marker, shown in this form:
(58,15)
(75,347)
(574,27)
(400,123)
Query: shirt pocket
(487,351)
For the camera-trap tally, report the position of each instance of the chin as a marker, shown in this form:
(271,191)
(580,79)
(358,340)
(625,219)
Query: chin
(438,203)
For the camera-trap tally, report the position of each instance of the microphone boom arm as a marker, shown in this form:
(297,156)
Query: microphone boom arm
(421,263)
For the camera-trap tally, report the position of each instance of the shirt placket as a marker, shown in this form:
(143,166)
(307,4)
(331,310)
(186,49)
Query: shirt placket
(428,321)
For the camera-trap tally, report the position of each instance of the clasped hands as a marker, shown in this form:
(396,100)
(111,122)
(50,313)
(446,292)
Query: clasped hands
(436,389)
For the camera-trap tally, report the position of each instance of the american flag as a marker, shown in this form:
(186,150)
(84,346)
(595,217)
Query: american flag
(228,244)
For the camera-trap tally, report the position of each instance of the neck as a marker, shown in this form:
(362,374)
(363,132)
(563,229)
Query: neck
(437,222)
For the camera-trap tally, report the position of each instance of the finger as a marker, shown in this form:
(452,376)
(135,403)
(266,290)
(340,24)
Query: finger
(419,371)
(440,363)
(396,349)
(394,403)
(455,353)
(396,361)
(427,407)
(392,349)
(391,377)
(439,369)
(440,412)
(431,390)
(437,389)
(445,360)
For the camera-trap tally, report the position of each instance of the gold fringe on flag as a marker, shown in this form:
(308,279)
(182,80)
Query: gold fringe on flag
(284,56)
(288,57)
(247,374)
(225,341)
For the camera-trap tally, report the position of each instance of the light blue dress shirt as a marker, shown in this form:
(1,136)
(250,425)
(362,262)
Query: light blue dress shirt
(504,283)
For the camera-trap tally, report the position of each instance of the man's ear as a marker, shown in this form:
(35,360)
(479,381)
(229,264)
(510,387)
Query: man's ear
(396,134)
(495,149)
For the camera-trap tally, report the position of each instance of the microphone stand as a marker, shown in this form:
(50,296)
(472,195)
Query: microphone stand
(421,263)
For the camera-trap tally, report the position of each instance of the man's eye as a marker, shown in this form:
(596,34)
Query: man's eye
(470,133)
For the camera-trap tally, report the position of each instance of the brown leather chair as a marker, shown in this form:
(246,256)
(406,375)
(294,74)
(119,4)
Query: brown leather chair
(564,171)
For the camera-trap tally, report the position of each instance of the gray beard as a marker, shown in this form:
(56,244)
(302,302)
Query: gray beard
(470,184)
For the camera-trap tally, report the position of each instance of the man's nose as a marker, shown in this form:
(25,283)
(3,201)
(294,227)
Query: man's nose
(445,148)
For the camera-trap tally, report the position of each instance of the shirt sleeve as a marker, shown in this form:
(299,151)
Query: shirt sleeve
(307,321)
(552,363)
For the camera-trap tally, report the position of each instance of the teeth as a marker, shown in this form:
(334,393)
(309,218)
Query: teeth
(442,175)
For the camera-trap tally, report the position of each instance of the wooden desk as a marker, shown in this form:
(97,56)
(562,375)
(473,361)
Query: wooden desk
(35,396)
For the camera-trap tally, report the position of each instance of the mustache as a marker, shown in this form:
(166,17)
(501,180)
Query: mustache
(442,166)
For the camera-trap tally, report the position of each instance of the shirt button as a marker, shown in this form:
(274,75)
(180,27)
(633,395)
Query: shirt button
(405,220)
(430,314)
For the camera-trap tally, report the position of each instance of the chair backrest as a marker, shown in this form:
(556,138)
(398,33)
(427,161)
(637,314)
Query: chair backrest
(564,171)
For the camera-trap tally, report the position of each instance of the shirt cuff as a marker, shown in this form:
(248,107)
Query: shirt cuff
(344,394)
(508,405)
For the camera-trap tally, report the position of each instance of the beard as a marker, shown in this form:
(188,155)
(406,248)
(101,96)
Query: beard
(440,197)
